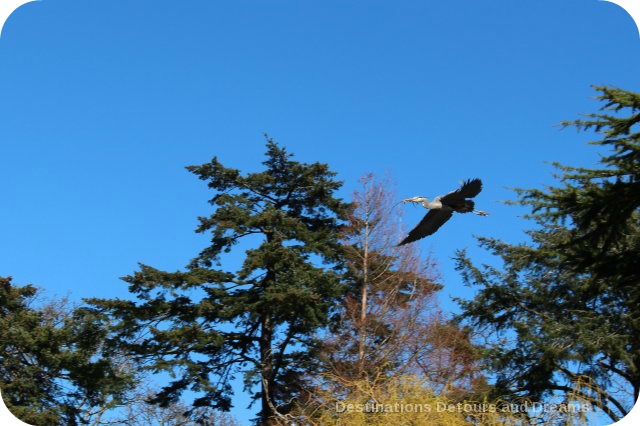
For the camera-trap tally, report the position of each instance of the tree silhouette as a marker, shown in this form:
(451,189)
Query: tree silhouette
(52,368)
(207,324)
(571,297)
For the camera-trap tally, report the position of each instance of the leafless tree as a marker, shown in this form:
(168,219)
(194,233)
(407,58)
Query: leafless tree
(391,323)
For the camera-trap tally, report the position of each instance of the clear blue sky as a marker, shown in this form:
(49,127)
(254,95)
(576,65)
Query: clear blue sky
(103,103)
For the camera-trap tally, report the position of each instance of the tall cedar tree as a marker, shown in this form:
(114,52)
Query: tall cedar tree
(207,324)
(571,297)
(51,368)
(390,324)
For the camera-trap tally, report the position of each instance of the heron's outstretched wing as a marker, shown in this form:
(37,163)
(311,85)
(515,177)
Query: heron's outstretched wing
(429,224)
(469,189)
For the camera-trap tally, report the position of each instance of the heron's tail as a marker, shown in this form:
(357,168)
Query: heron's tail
(481,213)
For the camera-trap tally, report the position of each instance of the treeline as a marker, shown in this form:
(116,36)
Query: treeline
(328,321)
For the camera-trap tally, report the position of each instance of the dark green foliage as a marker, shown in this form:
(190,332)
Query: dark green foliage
(571,297)
(207,324)
(51,367)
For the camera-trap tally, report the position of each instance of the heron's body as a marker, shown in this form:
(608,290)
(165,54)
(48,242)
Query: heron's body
(441,209)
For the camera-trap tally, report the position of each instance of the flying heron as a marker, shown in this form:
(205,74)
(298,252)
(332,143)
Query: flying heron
(441,209)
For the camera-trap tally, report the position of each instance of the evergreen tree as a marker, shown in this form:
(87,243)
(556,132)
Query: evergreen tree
(207,324)
(571,297)
(51,365)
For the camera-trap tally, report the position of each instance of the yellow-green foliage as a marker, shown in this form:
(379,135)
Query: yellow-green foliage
(408,401)
(392,402)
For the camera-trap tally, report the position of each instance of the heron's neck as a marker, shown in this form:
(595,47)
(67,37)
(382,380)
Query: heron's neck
(435,204)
